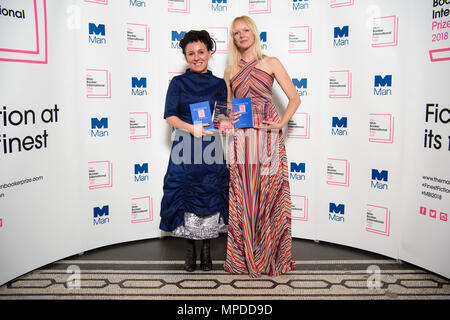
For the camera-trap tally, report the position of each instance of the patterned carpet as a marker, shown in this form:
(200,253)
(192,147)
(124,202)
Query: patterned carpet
(166,280)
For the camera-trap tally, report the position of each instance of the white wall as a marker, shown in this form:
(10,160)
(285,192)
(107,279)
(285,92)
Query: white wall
(46,62)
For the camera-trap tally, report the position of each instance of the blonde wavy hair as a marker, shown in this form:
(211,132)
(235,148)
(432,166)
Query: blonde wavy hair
(234,56)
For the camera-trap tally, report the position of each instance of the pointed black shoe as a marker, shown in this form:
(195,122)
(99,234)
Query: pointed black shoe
(190,263)
(205,256)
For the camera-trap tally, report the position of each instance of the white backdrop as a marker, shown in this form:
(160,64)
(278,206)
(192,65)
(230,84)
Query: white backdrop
(84,147)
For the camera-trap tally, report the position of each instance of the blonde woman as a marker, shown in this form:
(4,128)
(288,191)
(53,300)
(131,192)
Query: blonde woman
(259,231)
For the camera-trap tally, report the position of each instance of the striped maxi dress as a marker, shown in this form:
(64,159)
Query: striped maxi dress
(259,227)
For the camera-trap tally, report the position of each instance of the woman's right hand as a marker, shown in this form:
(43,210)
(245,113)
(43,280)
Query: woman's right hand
(198,130)
(234,116)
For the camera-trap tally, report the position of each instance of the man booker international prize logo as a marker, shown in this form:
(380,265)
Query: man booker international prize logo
(378,219)
(381,128)
(141,209)
(299,126)
(180,6)
(340,84)
(100,174)
(140,125)
(338,172)
(24,31)
(138,37)
(300,39)
(259,6)
(98,83)
(299,207)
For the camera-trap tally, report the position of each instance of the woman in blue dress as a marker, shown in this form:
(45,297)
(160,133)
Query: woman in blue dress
(195,201)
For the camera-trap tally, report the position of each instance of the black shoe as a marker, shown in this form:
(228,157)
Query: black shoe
(205,256)
(190,263)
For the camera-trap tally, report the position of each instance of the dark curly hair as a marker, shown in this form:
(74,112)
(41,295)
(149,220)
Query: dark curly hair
(194,36)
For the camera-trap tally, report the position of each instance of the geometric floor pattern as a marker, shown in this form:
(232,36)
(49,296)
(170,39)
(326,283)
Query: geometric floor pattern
(166,280)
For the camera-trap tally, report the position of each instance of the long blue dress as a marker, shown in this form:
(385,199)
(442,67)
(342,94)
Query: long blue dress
(192,184)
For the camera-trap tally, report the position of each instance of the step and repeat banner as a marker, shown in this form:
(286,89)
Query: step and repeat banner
(84,146)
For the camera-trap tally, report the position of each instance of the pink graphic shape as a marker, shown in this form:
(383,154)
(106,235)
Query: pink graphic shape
(433,213)
(346,182)
(174,74)
(390,139)
(440,55)
(423,211)
(37,50)
(394,42)
(186,9)
(305,209)
(105,2)
(267,9)
(386,231)
(148,133)
(307,129)
(309,47)
(348,94)
(147,38)
(89,93)
(341,3)
(150,210)
(92,184)
(226,38)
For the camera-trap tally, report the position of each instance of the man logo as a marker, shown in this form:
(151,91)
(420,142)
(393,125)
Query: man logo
(97,124)
(263,39)
(380,84)
(141,172)
(337,123)
(176,37)
(136,84)
(97,30)
(301,84)
(101,215)
(336,212)
(340,33)
(297,171)
(219,5)
(300,4)
(97,33)
(138,3)
(102,123)
(377,177)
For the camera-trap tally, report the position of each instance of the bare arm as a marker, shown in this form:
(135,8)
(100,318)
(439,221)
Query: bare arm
(234,115)
(226,77)
(277,69)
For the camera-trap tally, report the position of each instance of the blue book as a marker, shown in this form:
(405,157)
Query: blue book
(201,113)
(244,106)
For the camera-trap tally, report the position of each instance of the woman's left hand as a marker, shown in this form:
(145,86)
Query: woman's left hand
(270,125)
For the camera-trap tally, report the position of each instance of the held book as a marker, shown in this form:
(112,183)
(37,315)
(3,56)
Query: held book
(244,106)
(201,113)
